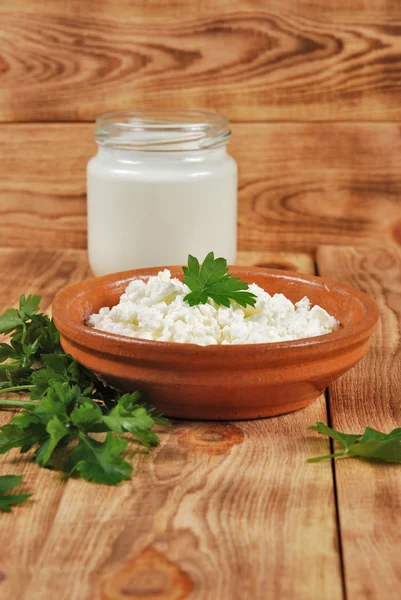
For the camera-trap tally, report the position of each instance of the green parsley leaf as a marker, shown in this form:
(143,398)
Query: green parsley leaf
(87,416)
(7,483)
(100,461)
(49,336)
(14,436)
(344,438)
(57,431)
(57,401)
(212,280)
(28,307)
(10,320)
(6,352)
(379,446)
(128,417)
(59,368)
(372,444)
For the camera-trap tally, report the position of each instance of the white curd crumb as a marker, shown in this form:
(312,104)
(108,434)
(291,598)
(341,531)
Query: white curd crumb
(155,310)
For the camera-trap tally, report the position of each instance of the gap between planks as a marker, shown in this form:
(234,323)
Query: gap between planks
(336,500)
(76,122)
(333,471)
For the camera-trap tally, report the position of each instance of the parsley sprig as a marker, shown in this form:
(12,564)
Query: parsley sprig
(68,404)
(64,415)
(372,444)
(212,280)
(8,483)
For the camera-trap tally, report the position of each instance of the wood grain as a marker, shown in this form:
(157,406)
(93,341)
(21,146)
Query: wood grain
(219,510)
(43,184)
(274,259)
(369,494)
(303,185)
(300,185)
(250,60)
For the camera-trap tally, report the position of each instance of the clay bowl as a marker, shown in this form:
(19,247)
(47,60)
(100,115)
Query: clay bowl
(220,382)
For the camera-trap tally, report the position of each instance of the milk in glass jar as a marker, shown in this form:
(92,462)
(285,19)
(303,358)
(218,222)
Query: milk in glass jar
(161,186)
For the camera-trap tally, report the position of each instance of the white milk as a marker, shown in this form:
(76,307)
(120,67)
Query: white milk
(160,189)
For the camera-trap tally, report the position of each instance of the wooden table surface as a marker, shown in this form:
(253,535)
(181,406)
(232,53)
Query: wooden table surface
(222,511)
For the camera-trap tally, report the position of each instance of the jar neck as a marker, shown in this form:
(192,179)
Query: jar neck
(134,156)
(162,131)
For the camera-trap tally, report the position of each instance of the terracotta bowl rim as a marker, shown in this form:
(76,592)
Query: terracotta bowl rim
(86,336)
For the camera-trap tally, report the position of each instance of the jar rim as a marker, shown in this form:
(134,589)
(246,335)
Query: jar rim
(157,130)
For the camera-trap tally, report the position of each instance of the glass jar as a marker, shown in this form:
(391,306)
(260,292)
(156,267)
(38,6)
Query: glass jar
(161,186)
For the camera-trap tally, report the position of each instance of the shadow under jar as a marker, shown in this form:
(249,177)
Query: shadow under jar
(161,186)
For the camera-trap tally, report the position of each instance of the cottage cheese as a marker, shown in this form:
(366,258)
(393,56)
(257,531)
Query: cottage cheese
(155,310)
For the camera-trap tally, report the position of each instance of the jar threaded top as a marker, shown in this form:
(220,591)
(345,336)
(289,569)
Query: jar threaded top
(162,131)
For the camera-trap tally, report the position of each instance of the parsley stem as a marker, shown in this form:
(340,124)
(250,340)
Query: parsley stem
(326,457)
(24,332)
(16,388)
(17,403)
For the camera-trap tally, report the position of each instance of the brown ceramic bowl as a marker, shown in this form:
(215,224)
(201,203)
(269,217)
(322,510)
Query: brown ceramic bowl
(220,382)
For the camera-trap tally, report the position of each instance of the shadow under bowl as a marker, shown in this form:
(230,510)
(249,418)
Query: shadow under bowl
(220,382)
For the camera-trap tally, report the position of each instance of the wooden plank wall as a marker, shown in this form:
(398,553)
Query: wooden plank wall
(312,89)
